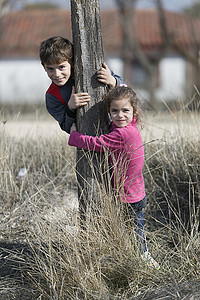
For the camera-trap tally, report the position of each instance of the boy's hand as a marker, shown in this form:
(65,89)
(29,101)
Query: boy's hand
(78,100)
(73,128)
(104,76)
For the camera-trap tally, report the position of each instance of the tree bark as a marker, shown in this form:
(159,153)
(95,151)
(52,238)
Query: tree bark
(92,118)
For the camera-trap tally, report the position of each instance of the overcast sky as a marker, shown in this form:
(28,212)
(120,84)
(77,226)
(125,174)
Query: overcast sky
(174,5)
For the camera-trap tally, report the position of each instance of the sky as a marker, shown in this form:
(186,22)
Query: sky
(173,5)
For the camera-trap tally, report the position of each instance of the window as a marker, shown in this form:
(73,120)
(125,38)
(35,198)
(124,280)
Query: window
(139,75)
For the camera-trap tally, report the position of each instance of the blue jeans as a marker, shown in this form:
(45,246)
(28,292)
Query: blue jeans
(135,217)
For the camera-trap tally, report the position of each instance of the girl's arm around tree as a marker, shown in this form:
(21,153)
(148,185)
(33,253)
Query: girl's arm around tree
(106,142)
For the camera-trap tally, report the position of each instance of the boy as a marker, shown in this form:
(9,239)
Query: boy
(56,55)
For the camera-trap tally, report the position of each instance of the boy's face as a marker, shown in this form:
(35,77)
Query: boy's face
(121,112)
(59,74)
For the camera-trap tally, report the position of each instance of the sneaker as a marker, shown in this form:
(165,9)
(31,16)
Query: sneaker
(146,256)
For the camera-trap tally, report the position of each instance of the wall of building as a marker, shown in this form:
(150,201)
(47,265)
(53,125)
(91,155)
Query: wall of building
(172,74)
(22,81)
(172,78)
(25,81)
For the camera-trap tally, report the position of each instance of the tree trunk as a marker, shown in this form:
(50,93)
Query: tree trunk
(132,50)
(92,118)
(151,84)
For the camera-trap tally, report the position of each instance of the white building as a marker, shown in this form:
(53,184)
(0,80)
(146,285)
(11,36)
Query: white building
(23,80)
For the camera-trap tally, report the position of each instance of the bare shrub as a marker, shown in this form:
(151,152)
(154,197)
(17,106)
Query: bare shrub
(46,255)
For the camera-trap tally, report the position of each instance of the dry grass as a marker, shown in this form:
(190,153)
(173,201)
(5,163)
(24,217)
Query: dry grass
(46,255)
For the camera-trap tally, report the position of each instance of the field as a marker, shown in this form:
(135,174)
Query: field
(43,252)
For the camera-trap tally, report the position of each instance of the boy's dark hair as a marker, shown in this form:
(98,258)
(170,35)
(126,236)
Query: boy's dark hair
(123,92)
(55,50)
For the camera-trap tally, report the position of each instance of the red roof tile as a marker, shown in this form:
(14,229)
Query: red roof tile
(23,31)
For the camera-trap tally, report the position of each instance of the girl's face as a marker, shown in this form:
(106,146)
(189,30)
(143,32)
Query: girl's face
(121,112)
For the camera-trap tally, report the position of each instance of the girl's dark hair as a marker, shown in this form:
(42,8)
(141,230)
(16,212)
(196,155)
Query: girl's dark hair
(123,92)
(55,50)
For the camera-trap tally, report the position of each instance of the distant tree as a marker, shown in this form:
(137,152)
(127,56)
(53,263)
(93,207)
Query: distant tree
(193,10)
(7,5)
(192,55)
(40,5)
(132,51)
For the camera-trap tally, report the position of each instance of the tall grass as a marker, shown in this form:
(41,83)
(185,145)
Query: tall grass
(45,254)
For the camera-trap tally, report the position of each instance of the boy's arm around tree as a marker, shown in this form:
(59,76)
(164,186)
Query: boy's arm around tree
(65,114)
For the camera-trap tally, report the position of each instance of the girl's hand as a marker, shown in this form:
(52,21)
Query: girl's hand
(104,76)
(73,128)
(78,100)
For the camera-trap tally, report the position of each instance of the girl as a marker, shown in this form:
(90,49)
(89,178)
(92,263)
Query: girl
(125,145)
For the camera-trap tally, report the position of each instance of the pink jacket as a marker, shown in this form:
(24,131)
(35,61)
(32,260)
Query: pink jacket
(127,157)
